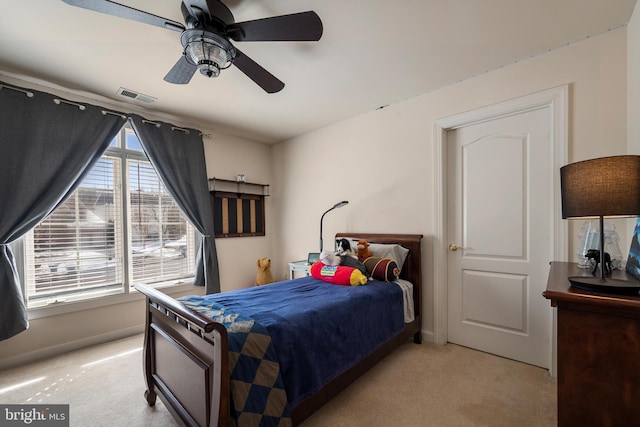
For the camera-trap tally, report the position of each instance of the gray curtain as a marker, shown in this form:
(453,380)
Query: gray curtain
(47,145)
(178,157)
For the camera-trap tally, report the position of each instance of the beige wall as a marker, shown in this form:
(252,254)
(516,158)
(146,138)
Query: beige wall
(227,157)
(633,82)
(633,95)
(382,161)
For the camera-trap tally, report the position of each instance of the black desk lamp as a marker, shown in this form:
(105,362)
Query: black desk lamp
(598,188)
(337,205)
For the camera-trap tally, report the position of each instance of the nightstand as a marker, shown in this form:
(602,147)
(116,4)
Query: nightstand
(301,265)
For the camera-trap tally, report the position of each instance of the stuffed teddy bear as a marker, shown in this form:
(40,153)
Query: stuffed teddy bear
(363,250)
(264,275)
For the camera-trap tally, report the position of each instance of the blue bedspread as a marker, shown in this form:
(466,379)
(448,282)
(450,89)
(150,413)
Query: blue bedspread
(319,329)
(258,396)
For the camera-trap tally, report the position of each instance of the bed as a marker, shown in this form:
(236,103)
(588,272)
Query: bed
(192,362)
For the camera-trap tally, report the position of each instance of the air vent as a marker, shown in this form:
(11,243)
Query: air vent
(127,93)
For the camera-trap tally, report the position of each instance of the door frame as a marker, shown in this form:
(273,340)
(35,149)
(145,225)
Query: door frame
(557,100)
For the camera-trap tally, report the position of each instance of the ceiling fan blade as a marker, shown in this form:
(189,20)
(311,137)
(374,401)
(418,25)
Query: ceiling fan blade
(196,8)
(205,10)
(303,26)
(181,73)
(116,9)
(255,72)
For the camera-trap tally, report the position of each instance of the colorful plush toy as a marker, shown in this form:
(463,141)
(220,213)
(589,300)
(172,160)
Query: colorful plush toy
(363,250)
(264,275)
(338,274)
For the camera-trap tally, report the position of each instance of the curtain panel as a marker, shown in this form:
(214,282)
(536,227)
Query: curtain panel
(177,155)
(48,145)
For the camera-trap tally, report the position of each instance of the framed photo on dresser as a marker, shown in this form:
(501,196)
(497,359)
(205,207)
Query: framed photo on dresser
(633,261)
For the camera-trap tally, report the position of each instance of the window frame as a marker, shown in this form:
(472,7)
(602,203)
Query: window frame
(128,293)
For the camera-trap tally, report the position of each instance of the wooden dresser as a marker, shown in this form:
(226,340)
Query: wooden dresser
(598,352)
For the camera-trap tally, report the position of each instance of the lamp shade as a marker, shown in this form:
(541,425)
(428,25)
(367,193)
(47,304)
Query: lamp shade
(602,187)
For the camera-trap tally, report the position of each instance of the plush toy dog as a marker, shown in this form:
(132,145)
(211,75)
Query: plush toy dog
(264,275)
(344,248)
(363,250)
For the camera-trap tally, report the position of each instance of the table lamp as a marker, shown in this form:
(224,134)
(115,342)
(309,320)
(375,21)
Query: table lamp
(337,205)
(598,188)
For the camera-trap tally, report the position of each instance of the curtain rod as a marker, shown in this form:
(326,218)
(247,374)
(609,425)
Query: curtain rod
(180,129)
(105,112)
(26,92)
(80,106)
(149,122)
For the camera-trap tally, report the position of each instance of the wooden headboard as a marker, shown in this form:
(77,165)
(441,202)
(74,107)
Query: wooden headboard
(412,270)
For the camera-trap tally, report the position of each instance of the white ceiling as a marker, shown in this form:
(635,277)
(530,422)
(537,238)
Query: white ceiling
(372,53)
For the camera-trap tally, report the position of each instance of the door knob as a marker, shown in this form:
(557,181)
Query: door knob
(454,247)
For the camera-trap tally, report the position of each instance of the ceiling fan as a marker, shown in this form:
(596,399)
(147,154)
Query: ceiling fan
(209,25)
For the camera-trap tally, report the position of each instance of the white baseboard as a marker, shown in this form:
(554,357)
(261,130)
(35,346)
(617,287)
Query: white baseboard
(428,336)
(56,350)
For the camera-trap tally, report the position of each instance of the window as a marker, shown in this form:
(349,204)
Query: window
(119,227)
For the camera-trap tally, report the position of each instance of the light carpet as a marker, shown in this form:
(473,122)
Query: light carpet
(416,385)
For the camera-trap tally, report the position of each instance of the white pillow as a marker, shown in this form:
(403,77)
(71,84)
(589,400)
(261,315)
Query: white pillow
(393,251)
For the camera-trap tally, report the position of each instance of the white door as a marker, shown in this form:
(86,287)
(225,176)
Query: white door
(500,226)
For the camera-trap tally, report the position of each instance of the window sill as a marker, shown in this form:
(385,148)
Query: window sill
(104,301)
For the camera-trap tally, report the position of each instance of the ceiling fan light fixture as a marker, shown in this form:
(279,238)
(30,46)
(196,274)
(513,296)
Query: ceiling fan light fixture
(208,51)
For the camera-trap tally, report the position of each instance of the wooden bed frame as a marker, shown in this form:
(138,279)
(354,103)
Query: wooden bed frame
(185,353)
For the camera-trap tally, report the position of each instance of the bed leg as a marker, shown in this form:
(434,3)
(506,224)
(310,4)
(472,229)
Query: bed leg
(151,397)
(417,337)
(147,355)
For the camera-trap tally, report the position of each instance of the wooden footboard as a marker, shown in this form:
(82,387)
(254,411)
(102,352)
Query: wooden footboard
(186,354)
(185,358)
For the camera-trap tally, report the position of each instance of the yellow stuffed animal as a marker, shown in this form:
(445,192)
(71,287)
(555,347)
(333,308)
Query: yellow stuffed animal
(264,276)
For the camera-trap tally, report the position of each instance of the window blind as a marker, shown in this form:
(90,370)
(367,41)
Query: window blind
(77,249)
(118,228)
(160,234)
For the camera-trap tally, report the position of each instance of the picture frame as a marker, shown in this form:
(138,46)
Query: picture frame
(238,214)
(633,261)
